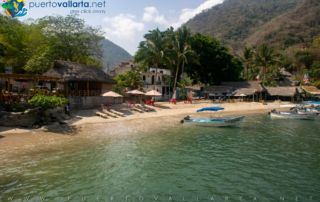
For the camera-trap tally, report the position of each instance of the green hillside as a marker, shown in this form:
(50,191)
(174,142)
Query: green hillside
(236,22)
(113,55)
(298,26)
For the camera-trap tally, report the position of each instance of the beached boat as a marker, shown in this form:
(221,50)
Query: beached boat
(292,115)
(213,121)
(305,109)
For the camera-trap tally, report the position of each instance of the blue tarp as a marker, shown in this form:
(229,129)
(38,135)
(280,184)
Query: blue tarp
(214,109)
(312,103)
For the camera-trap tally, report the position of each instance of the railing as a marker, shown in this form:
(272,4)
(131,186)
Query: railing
(83,93)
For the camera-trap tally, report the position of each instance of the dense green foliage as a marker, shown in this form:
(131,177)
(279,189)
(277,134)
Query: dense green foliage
(32,47)
(202,58)
(128,81)
(215,63)
(47,102)
(233,21)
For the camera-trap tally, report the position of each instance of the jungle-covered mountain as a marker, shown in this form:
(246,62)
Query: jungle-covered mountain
(281,23)
(113,55)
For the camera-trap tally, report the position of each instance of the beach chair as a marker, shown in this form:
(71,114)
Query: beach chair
(173,101)
(108,113)
(137,109)
(117,113)
(102,115)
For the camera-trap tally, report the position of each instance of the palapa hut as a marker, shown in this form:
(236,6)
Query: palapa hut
(80,80)
(312,91)
(245,89)
(82,84)
(289,93)
(218,91)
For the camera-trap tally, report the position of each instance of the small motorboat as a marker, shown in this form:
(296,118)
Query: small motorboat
(304,109)
(292,115)
(213,121)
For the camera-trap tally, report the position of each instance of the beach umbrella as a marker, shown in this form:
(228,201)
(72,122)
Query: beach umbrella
(153,93)
(137,93)
(111,94)
(214,109)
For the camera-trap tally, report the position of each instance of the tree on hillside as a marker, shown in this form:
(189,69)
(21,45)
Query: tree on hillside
(181,52)
(248,64)
(153,51)
(71,39)
(128,81)
(215,63)
(13,49)
(266,59)
(32,47)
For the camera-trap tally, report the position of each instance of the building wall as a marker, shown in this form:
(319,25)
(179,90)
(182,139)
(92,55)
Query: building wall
(92,102)
(155,81)
(106,88)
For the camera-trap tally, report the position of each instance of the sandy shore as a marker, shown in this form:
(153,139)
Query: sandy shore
(86,126)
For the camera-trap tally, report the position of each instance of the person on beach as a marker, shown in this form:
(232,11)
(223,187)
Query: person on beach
(67,109)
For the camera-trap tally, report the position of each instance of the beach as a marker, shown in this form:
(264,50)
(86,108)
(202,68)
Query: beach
(87,127)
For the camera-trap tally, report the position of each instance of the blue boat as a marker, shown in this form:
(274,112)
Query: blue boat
(213,121)
(312,102)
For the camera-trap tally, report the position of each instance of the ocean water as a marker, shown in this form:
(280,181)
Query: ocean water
(261,160)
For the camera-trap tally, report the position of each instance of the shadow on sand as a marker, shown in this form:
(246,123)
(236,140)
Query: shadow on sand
(63,129)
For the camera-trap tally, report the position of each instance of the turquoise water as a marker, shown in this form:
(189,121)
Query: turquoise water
(261,160)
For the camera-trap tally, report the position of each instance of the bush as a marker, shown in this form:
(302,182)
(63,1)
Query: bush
(47,102)
(316,84)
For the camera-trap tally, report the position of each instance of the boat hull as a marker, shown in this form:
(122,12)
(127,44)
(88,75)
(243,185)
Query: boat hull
(288,115)
(215,121)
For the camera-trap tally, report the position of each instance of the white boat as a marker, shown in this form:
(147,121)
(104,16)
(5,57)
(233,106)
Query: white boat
(292,115)
(213,121)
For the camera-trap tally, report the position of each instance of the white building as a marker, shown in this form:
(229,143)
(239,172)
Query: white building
(157,81)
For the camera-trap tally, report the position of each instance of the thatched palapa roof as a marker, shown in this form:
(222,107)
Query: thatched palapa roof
(254,85)
(311,90)
(218,90)
(282,91)
(70,71)
(245,92)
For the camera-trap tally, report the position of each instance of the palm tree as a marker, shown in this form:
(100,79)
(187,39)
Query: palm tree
(247,60)
(181,51)
(152,51)
(265,58)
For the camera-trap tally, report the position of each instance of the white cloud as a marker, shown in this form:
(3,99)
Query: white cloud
(124,30)
(188,13)
(123,26)
(151,15)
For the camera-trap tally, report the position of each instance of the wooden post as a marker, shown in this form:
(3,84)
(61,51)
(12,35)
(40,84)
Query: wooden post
(88,91)
(66,88)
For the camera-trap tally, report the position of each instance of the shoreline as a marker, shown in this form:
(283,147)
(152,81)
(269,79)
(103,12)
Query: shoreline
(88,128)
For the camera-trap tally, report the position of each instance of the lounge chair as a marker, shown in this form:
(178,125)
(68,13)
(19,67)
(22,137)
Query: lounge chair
(117,113)
(102,115)
(108,113)
(137,109)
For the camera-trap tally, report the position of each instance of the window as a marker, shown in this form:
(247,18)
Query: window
(152,80)
(144,78)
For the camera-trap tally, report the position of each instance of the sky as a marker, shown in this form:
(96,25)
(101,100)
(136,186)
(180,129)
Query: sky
(124,22)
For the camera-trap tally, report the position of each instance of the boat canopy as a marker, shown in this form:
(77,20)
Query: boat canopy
(210,109)
(312,102)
